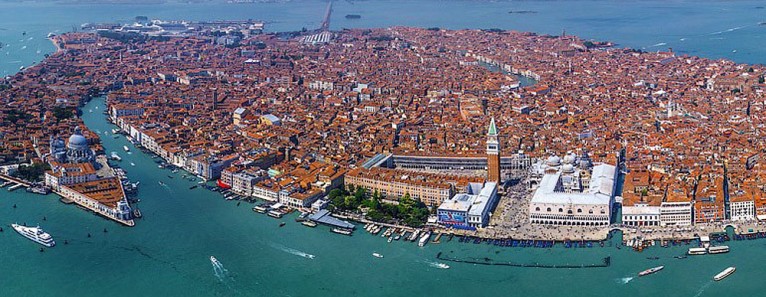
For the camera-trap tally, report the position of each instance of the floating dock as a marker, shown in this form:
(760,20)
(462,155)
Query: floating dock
(605,262)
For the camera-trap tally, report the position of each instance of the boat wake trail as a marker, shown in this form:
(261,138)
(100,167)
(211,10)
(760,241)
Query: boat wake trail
(625,280)
(293,251)
(658,44)
(730,30)
(702,289)
(223,275)
(219,271)
(437,265)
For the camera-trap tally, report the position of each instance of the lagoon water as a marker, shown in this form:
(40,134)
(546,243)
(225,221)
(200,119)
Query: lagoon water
(709,28)
(168,252)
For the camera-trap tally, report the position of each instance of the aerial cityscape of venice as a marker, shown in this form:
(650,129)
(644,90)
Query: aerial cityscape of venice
(382,148)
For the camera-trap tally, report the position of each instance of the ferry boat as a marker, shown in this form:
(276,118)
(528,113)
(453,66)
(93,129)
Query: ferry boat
(260,208)
(309,224)
(376,255)
(275,214)
(697,251)
(650,271)
(125,147)
(424,239)
(718,249)
(724,274)
(342,231)
(35,234)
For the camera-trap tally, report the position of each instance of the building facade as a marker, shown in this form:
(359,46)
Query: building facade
(569,195)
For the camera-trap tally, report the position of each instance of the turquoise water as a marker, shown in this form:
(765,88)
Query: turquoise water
(168,252)
(710,28)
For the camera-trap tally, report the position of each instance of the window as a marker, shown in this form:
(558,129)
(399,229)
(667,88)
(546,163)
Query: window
(590,211)
(569,211)
(538,209)
(549,209)
(561,210)
(579,210)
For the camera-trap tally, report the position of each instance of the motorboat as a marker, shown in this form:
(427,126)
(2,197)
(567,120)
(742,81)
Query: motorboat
(35,234)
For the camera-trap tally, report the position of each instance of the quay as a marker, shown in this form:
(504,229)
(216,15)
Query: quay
(15,180)
(89,204)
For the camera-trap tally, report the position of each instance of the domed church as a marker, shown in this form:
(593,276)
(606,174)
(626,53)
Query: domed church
(77,149)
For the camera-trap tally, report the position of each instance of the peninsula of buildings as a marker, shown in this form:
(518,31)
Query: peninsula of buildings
(438,116)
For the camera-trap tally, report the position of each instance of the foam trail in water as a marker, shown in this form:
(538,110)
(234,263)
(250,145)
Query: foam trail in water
(294,251)
(625,280)
(436,265)
(658,44)
(702,289)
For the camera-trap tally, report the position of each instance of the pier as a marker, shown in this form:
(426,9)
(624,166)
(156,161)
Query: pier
(324,217)
(606,262)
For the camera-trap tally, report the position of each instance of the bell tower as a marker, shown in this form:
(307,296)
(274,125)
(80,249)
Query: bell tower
(493,153)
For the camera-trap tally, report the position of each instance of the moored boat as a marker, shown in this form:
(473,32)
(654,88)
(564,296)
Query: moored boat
(342,231)
(718,249)
(309,224)
(424,239)
(275,214)
(650,271)
(723,274)
(697,251)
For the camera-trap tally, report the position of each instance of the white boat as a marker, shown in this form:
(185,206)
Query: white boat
(442,266)
(214,261)
(342,231)
(424,239)
(35,234)
(309,224)
(650,271)
(697,251)
(376,255)
(125,147)
(115,156)
(414,235)
(274,214)
(726,272)
(390,239)
(718,249)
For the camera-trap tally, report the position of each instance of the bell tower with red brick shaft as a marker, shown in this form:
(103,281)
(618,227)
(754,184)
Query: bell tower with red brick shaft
(493,153)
